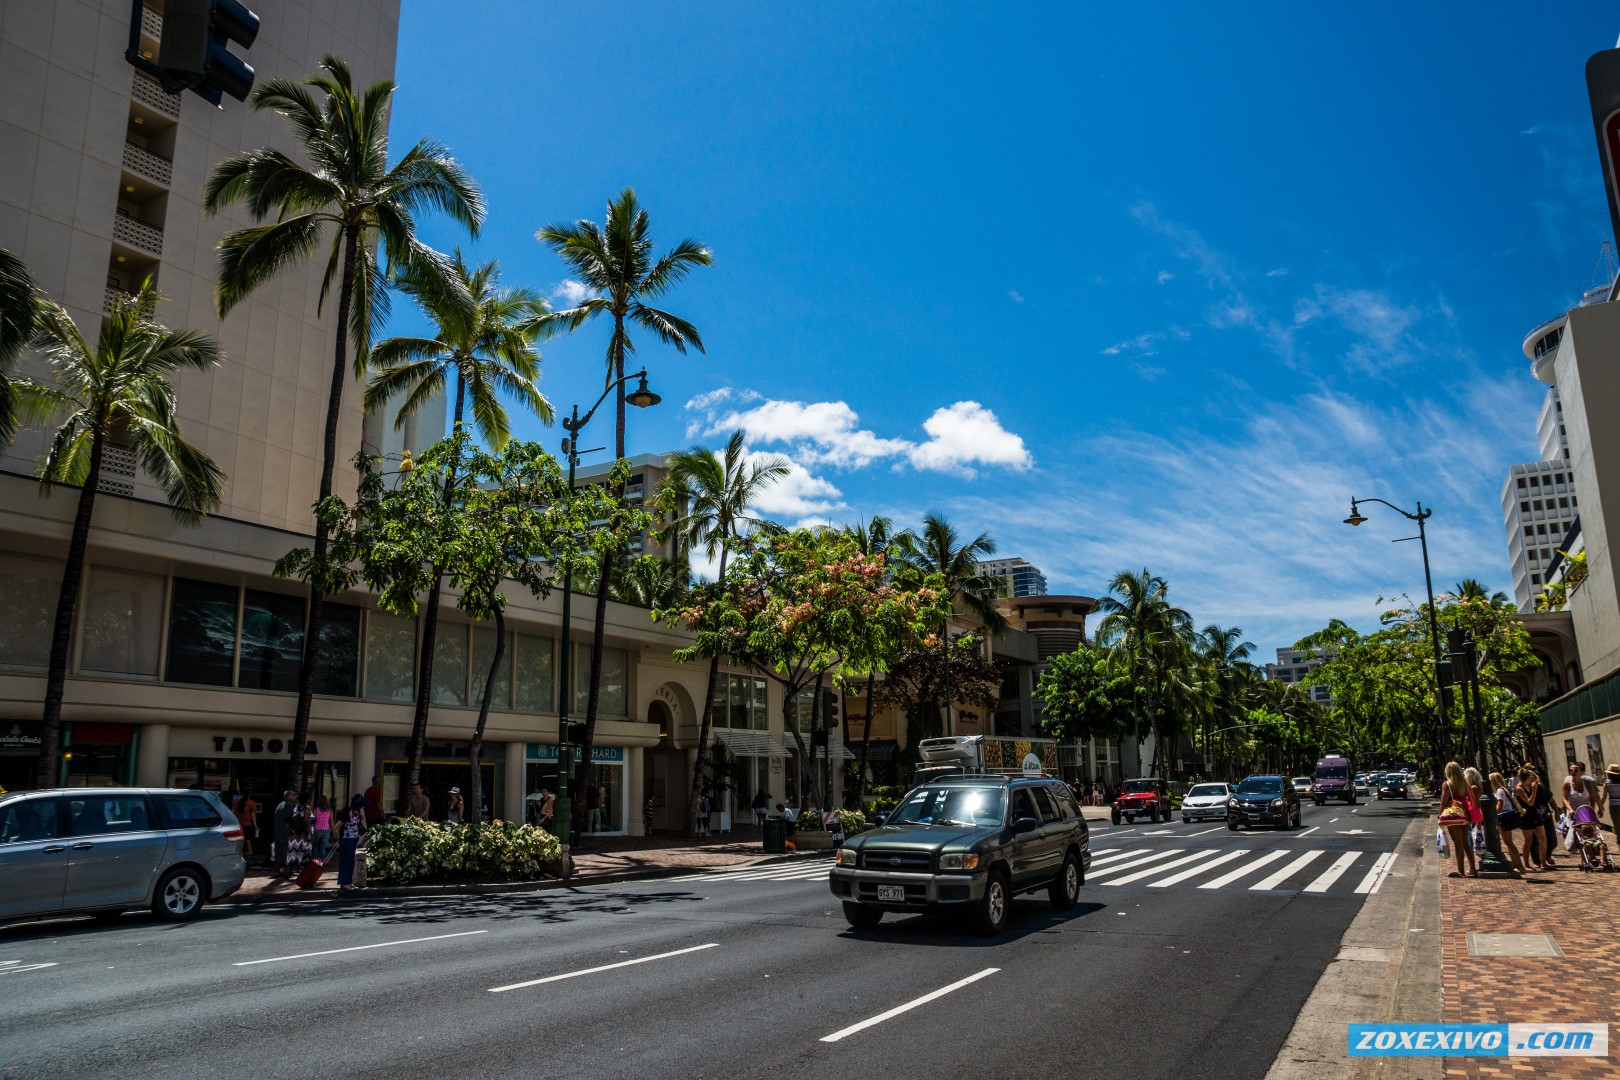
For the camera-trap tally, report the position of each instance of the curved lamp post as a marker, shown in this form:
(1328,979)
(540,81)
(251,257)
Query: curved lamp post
(562,821)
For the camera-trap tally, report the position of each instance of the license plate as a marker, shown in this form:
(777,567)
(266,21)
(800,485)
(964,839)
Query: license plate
(892,892)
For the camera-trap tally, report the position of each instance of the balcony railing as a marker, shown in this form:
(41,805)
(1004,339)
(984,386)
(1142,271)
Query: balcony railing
(154,97)
(138,234)
(142,162)
(1596,700)
(151,23)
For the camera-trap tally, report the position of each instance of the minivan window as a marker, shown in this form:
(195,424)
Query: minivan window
(28,820)
(97,815)
(1333,772)
(187,812)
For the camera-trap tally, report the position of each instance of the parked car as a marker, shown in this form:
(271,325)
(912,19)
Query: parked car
(1394,786)
(1204,802)
(1263,800)
(966,845)
(1301,785)
(103,851)
(1147,795)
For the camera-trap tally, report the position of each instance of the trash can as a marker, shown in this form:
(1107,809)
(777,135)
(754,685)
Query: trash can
(775,836)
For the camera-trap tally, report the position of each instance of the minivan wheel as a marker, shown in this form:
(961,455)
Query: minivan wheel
(179,894)
(862,917)
(994,906)
(1065,888)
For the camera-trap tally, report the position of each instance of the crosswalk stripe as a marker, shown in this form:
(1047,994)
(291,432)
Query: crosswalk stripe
(1333,873)
(1286,872)
(1248,868)
(1132,863)
(1375,877)
(1116,858)
(1176,879)
(1161,868)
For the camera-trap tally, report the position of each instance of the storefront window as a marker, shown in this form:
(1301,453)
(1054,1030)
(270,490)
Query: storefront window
(28,592)
(272,641)
(739,702)
(532,657)
(337,665)
(604,794)
(390,656)
(450,664)
(202,633)
(123,611)
(483,653)
(612,692)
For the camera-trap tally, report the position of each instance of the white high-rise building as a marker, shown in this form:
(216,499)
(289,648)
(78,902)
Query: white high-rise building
(1023,578)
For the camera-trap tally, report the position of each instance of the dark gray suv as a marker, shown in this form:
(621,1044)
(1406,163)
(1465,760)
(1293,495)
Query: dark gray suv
(106,850)
(967,845)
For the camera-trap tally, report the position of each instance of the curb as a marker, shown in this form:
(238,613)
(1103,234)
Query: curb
(494,888)
(1387,970)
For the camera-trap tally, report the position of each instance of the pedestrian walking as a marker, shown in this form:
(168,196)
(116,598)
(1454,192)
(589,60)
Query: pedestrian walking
(350,830)
(320,828)
(278,824)
(454,808)
(1507,819)
(1611,794)
(1580,790)
(1456,799)
(647,818)
(1547,814)
(419,805)
(548,808)
(374,804)
(705,808)
(298,839)
(593,808)
(761,804)
(247,815)
(1526,803)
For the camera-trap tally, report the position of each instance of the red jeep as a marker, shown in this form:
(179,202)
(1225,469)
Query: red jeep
(1150,796)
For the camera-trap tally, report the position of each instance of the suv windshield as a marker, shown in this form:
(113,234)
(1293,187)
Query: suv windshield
(1332,772)
(1207,789)
(1132,786)
(962,805)
(1261,785)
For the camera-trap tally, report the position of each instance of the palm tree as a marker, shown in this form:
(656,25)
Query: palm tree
(117,390)
(484,338)
(19,312)
(1225,655)
(1144,631)
(939,549)
(651,581)
(872,537)
(1474,589)
(711,498)
(615,262)
(349,187)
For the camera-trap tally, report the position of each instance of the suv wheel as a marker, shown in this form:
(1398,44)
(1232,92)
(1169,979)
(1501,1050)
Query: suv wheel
(995,905)
(1231,824)
(1116,817)
(862,917)
(1065,888)
(179,894)
(1153,814)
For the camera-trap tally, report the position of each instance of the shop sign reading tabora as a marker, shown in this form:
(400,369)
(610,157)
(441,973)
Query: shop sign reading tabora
(236,744)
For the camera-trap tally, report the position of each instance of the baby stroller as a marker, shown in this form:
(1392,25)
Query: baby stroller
(1589,841)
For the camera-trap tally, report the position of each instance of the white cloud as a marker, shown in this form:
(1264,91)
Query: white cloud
(1165,276)
(1015,296)
(968,434)
(799,494)
(1281,271)
(570,292)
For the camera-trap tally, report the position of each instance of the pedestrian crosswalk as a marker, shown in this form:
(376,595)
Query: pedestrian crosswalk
(1243,869)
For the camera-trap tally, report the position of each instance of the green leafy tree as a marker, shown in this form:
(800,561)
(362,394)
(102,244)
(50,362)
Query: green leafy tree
(19,315)
(1085,696)
(1150,638)
(349,195)
(615,261)
(875,536)
(115,391)
(712,497)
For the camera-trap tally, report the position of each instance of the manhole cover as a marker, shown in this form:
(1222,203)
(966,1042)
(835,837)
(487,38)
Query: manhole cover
(1522,945)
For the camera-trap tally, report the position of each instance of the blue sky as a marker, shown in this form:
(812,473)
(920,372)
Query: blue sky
(1128,286)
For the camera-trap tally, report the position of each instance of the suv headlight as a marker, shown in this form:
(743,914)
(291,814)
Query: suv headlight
(1231,804)
(959,862)
(1278,804)
(847,856)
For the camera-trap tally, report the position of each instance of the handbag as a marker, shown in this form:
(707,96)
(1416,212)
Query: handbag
(1475,814)
(1440,844)
(1453,815)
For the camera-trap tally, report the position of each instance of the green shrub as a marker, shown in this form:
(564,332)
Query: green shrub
(879,805)
(411,850)
(851,821)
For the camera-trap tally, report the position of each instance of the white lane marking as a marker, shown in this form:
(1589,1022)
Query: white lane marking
(1206,832)
(1161,868)
(1132,863)
(1375,877)
(844,1033)
(1333,873)
(1286,872)
(1160,832)
(357,948)
(1332,820)
(1176,879)
(1121,832)
(604,967)
(1227,879)
(1116,858)
(17,967)
(1308,831)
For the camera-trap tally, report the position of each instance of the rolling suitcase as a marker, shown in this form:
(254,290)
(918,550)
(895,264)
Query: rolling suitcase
(311,874)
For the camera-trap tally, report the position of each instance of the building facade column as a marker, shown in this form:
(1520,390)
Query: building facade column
(511,808)
(152,758)
(364,764)
(635,790)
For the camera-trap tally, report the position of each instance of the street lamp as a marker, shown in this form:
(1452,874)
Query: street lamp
(563,819)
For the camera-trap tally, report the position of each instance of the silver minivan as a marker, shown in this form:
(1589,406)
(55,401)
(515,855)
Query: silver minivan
(102,851)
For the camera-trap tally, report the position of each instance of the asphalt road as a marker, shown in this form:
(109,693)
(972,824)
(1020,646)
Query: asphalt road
(739,974)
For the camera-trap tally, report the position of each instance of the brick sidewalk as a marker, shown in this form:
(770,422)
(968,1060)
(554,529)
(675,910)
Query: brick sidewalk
(1581,911)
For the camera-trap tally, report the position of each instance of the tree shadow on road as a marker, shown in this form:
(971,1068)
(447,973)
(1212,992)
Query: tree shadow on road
(548,906)
(1028,916)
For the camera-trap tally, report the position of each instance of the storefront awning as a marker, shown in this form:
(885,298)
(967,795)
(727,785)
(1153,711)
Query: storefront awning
(839,750)
(750,743)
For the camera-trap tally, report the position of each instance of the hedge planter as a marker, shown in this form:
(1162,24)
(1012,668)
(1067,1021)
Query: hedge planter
(812,841)
(410,851)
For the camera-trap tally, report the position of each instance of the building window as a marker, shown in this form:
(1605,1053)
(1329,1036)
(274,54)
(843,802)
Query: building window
(1524,508)
(390,656)
(1535,579)
(123,619)
(272,641)
(1563,504)
(612,692)
(1521,483)
(337,664)
(532,656)
(202,633)
(450,664)
(1529,530)
(739,702)
(1535,481)
(28,591)
(483,652)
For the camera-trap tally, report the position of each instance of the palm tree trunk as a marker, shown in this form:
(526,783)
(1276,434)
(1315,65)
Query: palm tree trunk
(334,411)
(695,803)
(866,743)
(475,749)
(67,599)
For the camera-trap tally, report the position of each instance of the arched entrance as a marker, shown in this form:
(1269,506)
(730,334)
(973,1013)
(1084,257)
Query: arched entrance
(666,778)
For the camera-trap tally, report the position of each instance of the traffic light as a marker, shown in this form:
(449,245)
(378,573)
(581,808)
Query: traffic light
(576,733)
(830,709)
(195,46)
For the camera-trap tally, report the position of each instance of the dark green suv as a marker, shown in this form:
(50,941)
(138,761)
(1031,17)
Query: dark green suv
(967,845)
